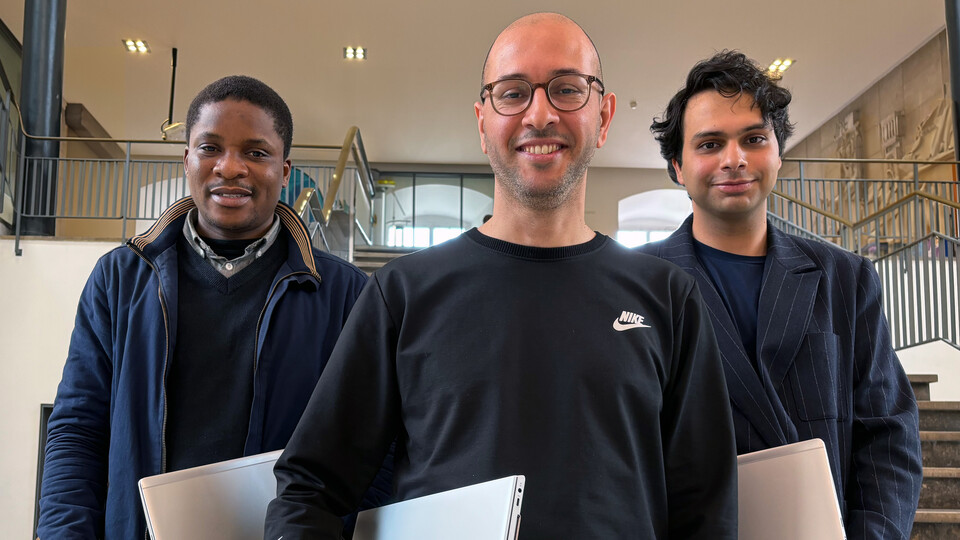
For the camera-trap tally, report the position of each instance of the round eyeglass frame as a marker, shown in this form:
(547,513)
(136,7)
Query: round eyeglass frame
(488,88)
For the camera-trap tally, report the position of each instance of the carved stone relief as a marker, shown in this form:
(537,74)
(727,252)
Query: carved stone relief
(849,144)
(934,136)
(890,139)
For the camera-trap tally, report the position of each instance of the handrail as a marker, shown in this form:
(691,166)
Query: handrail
(867,160)
(787,223)
(812,208)
(307,201)
(885,210)
(915,243)
(352,142)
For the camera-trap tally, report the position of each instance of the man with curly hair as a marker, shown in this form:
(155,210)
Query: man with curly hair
(805,345)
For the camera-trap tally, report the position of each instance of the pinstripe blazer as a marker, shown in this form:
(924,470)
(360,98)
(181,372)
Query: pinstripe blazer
(825,369)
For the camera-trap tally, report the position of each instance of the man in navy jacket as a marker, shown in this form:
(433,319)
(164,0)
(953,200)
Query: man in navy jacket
(805,346)
(201,339)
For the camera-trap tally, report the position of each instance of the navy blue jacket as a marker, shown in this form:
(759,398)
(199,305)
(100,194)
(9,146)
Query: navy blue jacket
(827,371)
(108,425)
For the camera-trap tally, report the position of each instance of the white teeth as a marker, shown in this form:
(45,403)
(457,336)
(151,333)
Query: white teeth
(543,149)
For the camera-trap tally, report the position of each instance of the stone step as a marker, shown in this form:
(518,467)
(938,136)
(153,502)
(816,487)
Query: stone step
(940,448)
(921,385)
(936,524)
(939,415)
(941,488)
(370,259)
(381,253)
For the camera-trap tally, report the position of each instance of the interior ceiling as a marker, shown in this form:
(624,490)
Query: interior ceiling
(413,98)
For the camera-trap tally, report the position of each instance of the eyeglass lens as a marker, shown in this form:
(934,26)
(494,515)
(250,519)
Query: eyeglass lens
(566,93)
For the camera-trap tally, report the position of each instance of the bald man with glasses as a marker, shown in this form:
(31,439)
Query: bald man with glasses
(531,345)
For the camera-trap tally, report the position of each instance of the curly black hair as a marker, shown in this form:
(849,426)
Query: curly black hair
(731,74)
(244,88)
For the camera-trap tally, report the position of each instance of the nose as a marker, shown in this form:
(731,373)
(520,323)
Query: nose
(230,165)
(734,157)
(541,112)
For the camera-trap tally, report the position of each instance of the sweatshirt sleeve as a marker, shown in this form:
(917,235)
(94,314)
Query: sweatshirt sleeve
(345,431)
(699,447)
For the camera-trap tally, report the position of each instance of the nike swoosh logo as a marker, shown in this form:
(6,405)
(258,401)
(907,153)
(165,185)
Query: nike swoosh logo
(620,327)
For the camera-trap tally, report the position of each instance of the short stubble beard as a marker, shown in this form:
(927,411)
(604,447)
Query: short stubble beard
(552,197)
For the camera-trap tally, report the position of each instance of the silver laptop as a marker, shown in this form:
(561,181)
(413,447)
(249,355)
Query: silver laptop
(787,493)
(225,500)
(487,511)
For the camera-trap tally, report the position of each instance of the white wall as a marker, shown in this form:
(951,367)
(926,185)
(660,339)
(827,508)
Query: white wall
(38,302)
(938,359)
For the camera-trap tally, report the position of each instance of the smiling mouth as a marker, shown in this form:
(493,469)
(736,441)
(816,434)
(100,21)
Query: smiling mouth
(540,149)
(230,197)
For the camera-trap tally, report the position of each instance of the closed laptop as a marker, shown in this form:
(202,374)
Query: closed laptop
(486,511)
(787,493)
(226,500)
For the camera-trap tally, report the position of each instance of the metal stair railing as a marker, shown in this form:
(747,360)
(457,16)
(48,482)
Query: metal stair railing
(794,229)
(897,224)
(351,191)
(908,228)
(138,187)
(858,197)
(920,278)
(921,291)
(9,131)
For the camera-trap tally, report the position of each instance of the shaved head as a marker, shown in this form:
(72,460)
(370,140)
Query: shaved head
(535,19)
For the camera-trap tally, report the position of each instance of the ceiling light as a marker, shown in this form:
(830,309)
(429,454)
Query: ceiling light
(136,45)
(355,53)
(776,69)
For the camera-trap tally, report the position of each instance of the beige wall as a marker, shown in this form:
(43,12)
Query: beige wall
(38,293)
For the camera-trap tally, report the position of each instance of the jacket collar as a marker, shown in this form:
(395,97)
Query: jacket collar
(163,234)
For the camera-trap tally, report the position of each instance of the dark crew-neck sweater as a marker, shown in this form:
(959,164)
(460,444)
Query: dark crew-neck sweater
(210,380)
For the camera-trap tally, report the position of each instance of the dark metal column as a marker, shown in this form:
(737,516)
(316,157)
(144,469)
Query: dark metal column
(41,95)
(953,48)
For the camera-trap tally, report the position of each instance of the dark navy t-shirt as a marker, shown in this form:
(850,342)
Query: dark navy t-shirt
(738,279)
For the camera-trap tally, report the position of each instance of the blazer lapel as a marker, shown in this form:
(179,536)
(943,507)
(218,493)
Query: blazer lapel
(789,291)
(747,392)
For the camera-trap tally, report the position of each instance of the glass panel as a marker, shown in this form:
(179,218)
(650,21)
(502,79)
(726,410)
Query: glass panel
(442,234)
(421,237)
(632,238)
(437,204)
(477,199)
(393,207)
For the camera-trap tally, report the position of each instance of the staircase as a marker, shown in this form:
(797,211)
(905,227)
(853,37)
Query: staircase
(369,259)
(938,515)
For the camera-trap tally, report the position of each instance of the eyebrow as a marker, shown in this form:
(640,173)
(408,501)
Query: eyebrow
(554,73)
(718,133)
(209,135)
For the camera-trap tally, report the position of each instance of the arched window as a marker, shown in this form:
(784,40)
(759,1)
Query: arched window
(651,215)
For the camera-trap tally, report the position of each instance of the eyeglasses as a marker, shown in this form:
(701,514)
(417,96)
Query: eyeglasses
(566,93)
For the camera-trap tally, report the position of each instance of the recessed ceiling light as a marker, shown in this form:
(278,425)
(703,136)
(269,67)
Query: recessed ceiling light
(136,45)
(355,53)
(778,66)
